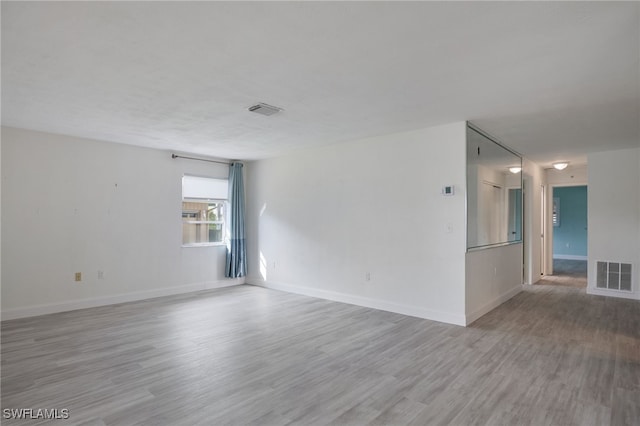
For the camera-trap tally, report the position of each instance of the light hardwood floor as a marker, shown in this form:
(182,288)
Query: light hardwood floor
(248,355)
(571,273)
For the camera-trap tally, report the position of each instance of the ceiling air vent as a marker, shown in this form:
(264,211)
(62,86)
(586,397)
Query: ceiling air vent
(264,109)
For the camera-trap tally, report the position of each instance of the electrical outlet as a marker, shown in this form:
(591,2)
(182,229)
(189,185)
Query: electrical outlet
(100,275)
(78,276)
(367,276)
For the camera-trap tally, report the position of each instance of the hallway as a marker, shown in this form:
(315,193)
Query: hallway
(567,273)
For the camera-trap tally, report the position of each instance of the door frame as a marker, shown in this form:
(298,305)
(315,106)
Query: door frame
(547,260)
(543,229)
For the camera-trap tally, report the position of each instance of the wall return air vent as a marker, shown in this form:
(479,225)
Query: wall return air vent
(264,109)
(613,276)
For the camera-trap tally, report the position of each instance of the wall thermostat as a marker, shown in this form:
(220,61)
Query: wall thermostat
(447,190)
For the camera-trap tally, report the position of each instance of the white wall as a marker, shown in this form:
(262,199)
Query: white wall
(572,175)
(1,220)
(614,214)
(493,276)
(534,178)
(75,205)
(318,221)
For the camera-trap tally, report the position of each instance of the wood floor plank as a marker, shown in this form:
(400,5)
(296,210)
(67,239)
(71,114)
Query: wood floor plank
(251,356)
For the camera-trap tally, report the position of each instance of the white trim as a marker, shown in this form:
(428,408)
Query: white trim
(471,317)
(548,230)
(32,311)
(414,311)
(227,282)
(568,184)
(569,257)
(613,293)
(216,244)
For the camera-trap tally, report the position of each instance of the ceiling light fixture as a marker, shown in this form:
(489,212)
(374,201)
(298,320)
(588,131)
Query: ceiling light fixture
(560,165)
(515,170)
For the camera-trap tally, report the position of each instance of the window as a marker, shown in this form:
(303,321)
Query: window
(204,203)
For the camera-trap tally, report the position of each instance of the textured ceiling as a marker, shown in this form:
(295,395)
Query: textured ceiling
(551,80)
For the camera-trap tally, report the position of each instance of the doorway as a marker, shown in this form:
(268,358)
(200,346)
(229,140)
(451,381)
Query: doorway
(569,236)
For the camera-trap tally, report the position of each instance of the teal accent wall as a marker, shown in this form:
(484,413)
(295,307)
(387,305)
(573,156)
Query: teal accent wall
(570,237)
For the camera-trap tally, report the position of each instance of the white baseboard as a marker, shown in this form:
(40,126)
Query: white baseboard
(414,311)
(228,282)
(569,257)
(493,304)
(72,305)
(613,293)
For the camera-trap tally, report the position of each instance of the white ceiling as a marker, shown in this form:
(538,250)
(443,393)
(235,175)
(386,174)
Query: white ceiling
(551,80)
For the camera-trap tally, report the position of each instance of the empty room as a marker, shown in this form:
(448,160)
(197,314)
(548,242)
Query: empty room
(295,213)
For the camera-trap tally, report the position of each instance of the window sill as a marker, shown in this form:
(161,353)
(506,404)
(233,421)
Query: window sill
(203,245)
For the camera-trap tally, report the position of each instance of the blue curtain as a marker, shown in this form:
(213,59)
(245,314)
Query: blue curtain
(236,265)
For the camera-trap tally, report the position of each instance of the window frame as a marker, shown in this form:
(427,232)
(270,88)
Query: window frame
(206,222)
(222,223)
